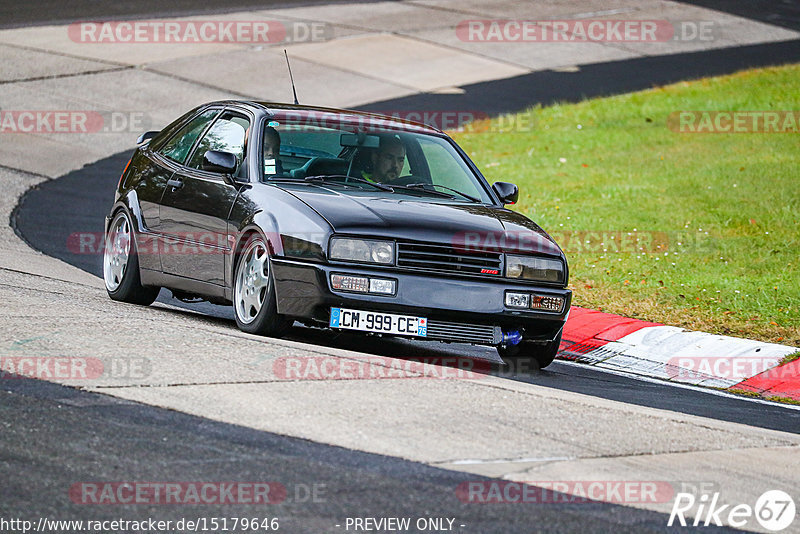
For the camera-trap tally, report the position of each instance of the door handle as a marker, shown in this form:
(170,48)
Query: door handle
(176,184)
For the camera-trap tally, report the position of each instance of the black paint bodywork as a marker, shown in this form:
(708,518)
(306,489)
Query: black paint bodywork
(175,208)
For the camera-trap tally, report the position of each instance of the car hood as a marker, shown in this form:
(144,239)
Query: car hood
(474,226)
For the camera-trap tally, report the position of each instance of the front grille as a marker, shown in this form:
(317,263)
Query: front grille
(464,333)
(445,258)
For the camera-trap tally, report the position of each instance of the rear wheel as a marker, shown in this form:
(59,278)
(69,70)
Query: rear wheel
(121,264)
(543,354)
(254,302)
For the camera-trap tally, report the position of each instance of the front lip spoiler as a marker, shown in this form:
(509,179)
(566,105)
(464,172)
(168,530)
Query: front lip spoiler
(447,332)
(304,292)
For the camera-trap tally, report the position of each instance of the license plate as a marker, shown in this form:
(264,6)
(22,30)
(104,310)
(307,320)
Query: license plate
(386,323)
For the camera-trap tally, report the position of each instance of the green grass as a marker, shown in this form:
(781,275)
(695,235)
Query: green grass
(724,207)
(789,358)
(753,394)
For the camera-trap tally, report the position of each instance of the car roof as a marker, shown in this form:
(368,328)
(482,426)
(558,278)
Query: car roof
(324,116)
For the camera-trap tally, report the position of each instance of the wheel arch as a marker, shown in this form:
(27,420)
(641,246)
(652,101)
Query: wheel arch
(258,223)
(130,203)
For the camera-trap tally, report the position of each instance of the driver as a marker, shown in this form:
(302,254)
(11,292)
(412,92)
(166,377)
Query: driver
(387,161)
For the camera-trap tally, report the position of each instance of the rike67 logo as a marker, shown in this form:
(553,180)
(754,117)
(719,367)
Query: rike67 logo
(774,510)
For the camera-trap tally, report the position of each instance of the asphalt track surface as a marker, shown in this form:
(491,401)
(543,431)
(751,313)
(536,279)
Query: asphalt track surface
(785,13)
(597,80)
(14,14)
(70,436)
(53,435)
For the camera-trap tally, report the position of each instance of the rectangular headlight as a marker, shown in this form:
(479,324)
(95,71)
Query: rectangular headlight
(534,268)
(362,250)
(380,285)
(517,300)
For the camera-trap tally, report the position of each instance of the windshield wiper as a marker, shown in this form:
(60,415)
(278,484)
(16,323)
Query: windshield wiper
(425,187)
(323,177)
(426,191)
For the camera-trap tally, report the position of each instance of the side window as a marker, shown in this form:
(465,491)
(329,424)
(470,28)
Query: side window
(448,169)
(177,148)
(406,170)
(228,134)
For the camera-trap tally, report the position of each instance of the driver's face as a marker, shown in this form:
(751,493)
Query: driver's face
(389,162)
(271,148)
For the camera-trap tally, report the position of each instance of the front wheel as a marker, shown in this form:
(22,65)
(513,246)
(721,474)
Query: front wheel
(254,301)
(121,264)
(543,354)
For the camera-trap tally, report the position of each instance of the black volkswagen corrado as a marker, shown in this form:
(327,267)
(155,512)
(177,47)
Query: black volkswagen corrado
(333,218)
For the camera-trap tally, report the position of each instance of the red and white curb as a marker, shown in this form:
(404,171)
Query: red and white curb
(670,353)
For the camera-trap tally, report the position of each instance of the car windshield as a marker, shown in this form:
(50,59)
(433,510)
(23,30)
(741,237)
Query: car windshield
(386,162)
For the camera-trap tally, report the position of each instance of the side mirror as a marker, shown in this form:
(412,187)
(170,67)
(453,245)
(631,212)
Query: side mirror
(508,193)
(219,161)
(145,137)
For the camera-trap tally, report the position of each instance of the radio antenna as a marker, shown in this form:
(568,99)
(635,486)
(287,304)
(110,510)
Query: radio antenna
(291,78)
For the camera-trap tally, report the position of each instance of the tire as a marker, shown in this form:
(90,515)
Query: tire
(543,354)
(121,264)
(254,301)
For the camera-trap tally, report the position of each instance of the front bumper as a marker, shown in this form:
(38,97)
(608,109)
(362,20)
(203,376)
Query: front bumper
(458,309)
